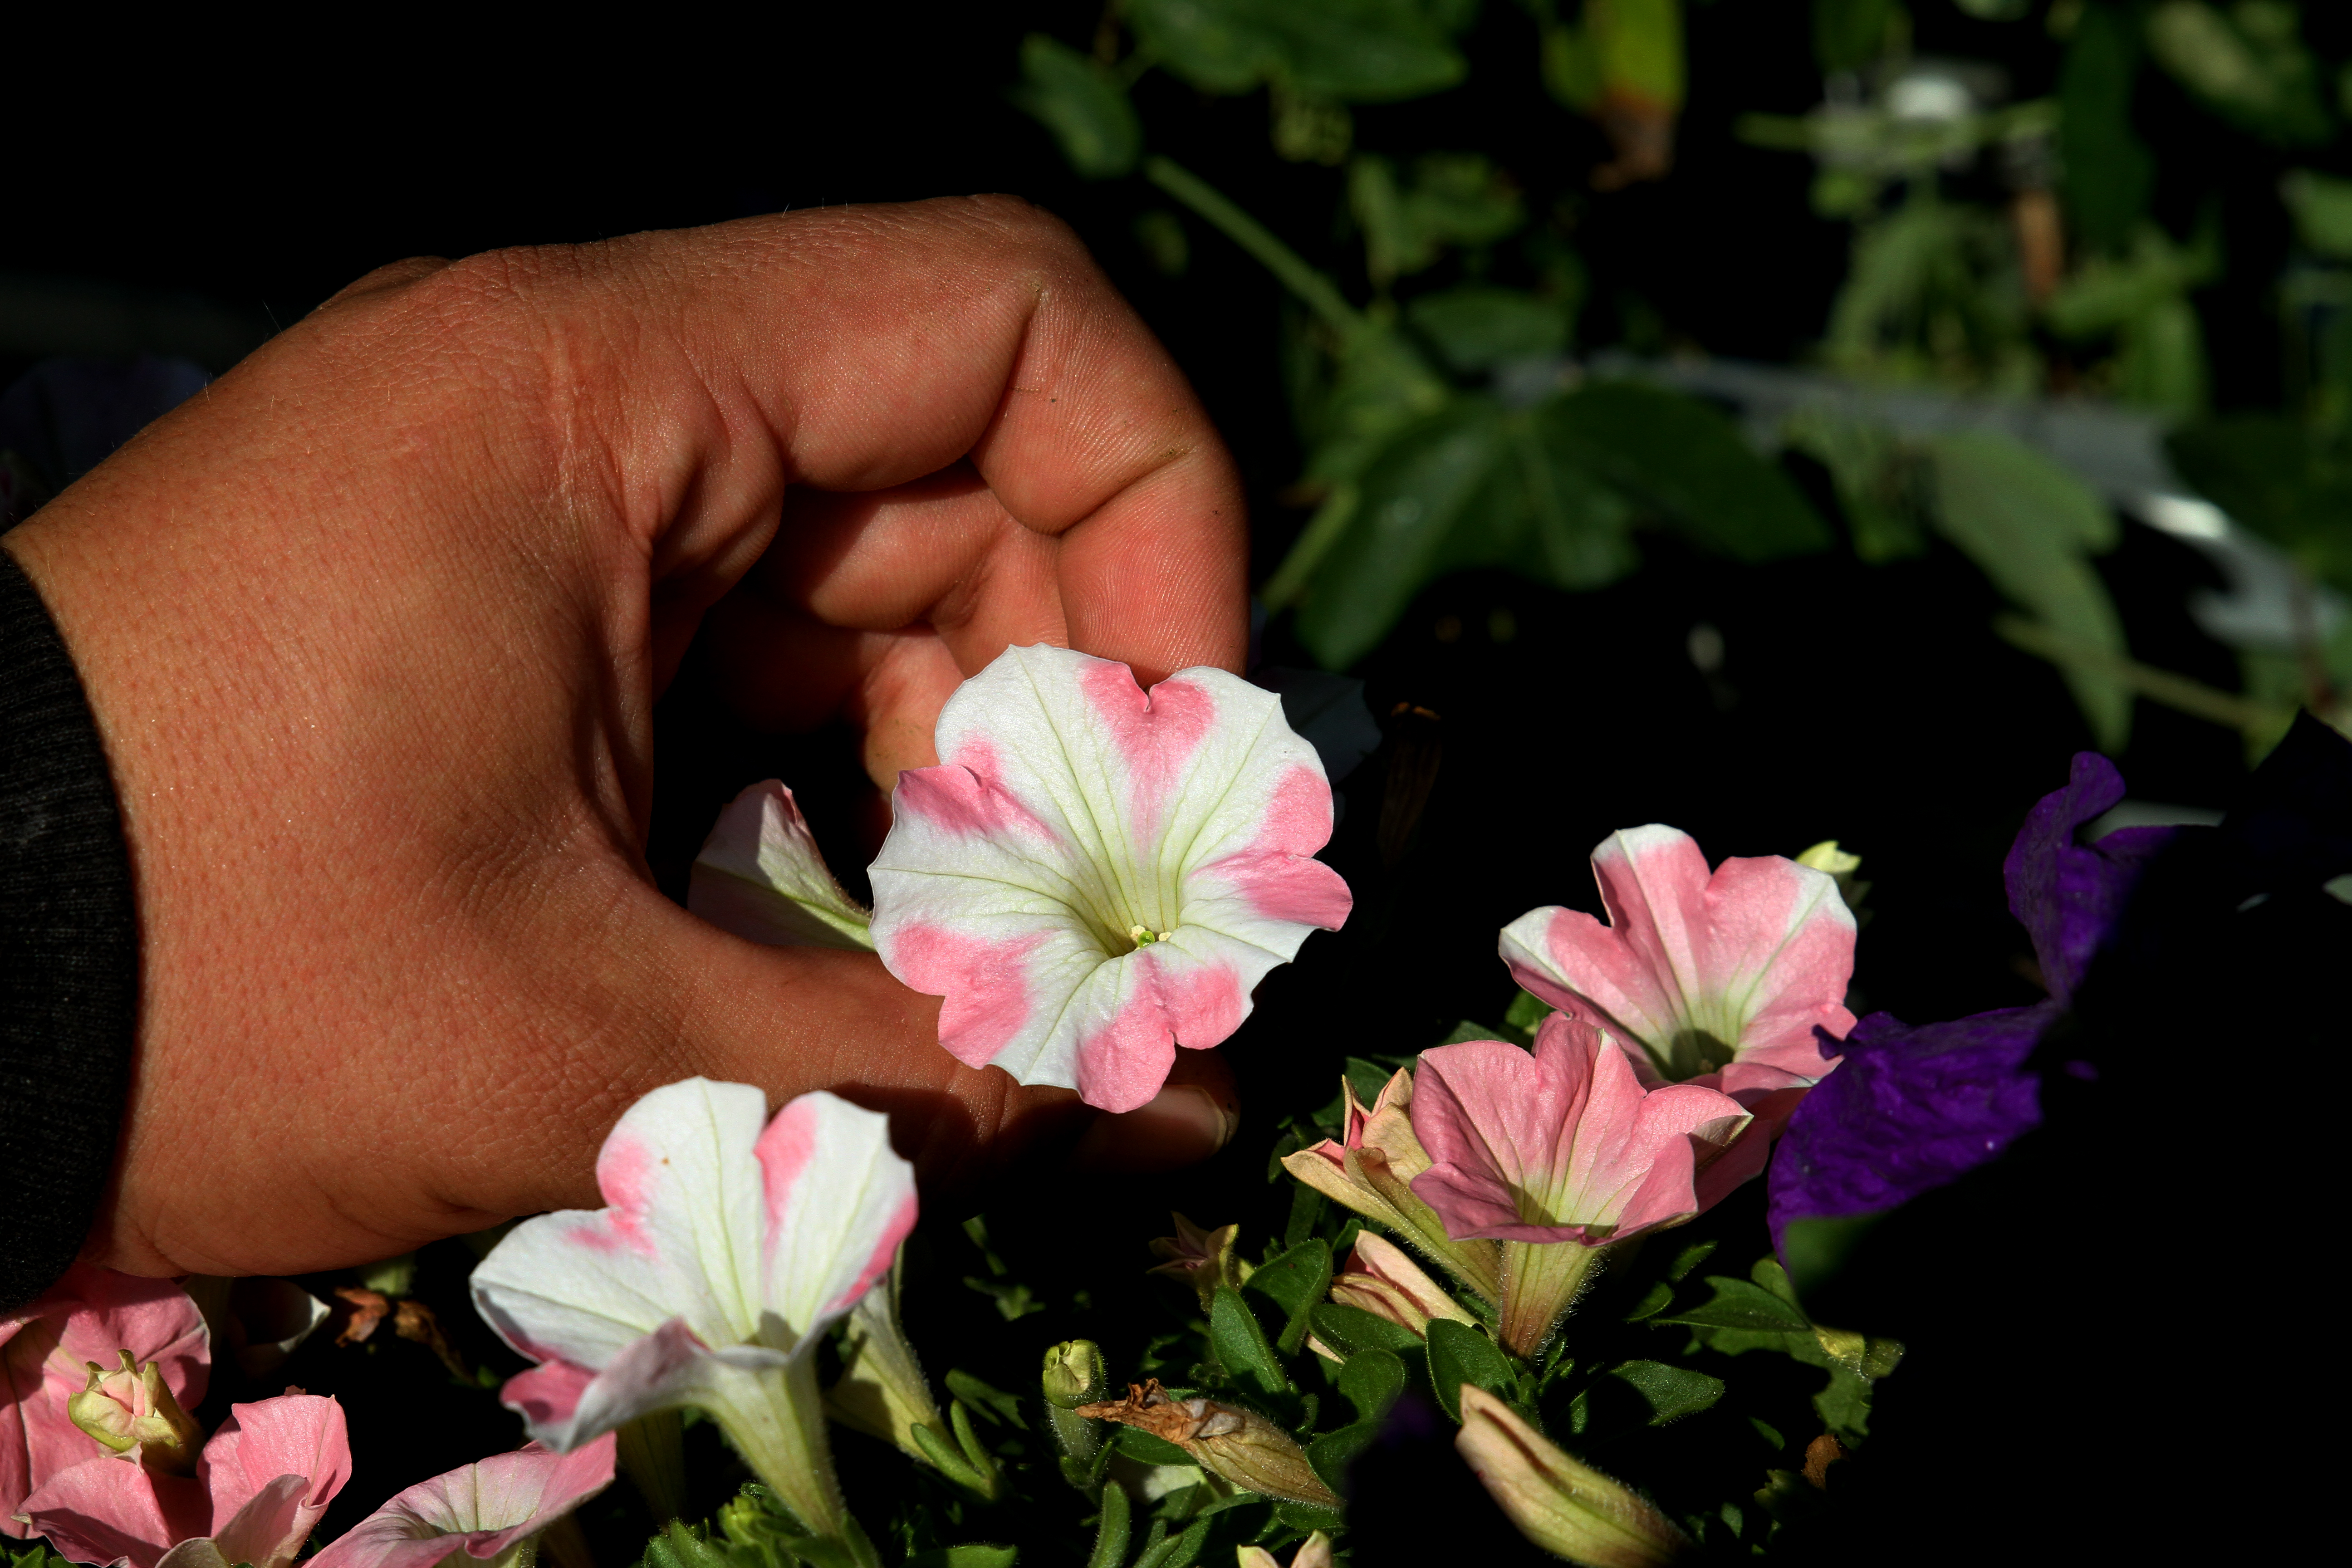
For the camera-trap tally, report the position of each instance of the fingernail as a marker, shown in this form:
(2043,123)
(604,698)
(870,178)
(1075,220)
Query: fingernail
(1181,1125)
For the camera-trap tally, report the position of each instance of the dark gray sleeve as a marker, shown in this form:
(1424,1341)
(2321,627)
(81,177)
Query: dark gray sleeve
(69,952)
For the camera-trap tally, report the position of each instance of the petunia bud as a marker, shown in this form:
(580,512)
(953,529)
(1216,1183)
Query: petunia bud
(1370,1170)
(1565,1507)
(1379,1279)
(1074,1375)
(1239,1445)
(131,1411)
(1204,1259)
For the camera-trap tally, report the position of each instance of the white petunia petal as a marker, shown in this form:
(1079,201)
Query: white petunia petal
(1094,875)
(761,877)
(681,1238)
(839,1202)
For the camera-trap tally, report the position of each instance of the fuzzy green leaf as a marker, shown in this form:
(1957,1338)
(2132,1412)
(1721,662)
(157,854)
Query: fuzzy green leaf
(1736,1304)
(1082,104)
(1350,1330)
(1459,1353)
(1240,1344)
(1293,1281)
(1371,1381)
(1686,463)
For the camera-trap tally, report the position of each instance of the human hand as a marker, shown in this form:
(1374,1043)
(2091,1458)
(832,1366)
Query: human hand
(373,629)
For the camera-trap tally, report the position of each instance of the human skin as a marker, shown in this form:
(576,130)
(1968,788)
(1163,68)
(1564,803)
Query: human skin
(373,629)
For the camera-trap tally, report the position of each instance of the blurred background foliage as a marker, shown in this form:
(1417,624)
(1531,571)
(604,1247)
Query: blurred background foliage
(1463,400)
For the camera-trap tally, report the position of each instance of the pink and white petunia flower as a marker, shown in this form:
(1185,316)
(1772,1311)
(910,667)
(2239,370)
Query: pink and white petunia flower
(489,1510)
(1562,1144)
(92,1315)
(1730,979)
(260,1487)
(1095,875)
(726,1252)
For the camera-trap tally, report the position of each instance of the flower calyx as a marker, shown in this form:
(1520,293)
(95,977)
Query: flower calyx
(1237,1444)
(131,1411)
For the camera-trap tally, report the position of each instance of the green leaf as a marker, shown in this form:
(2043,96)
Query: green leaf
(2109,172)
(1670,1391)
(1306,1516)
(1527,1011)
(1687,462)
(1416,498)
(1656,1300)
(1240,1344)
(968,1556)
(1382,387)
(1180,1552)
(1331,1454)
(2029,526)
(1690,1257)
(1844,1405)
(1139,1445)
(1475,327)
(2248,66)
(994,1403)
(1368,1078)
(1877,478)
(2322,205)
(1293,1281)
(1110,1535)
(1371,1381)
(1851,33)
(2268,474)
(1459,1353)
(1351,1330)
(683,1546)
(1082,104)
(1736,1304)
(1355,51)
(1448,199)
(1817,1248)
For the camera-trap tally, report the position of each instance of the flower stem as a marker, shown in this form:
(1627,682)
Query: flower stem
(1318,293)
(653,1453)
(781,1438)
(1541,1279)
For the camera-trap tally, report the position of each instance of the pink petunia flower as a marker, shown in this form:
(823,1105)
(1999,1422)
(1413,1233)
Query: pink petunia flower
(725,1253)
(1728,979)
(260,1487)
(91,1315)
(484,1510)
(1562,1144)
(1095,875)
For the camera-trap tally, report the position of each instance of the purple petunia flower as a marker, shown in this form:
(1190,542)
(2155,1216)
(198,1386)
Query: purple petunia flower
(1910,1109)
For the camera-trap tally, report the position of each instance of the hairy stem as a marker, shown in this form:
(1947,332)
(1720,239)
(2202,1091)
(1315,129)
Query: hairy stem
(1318,293)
